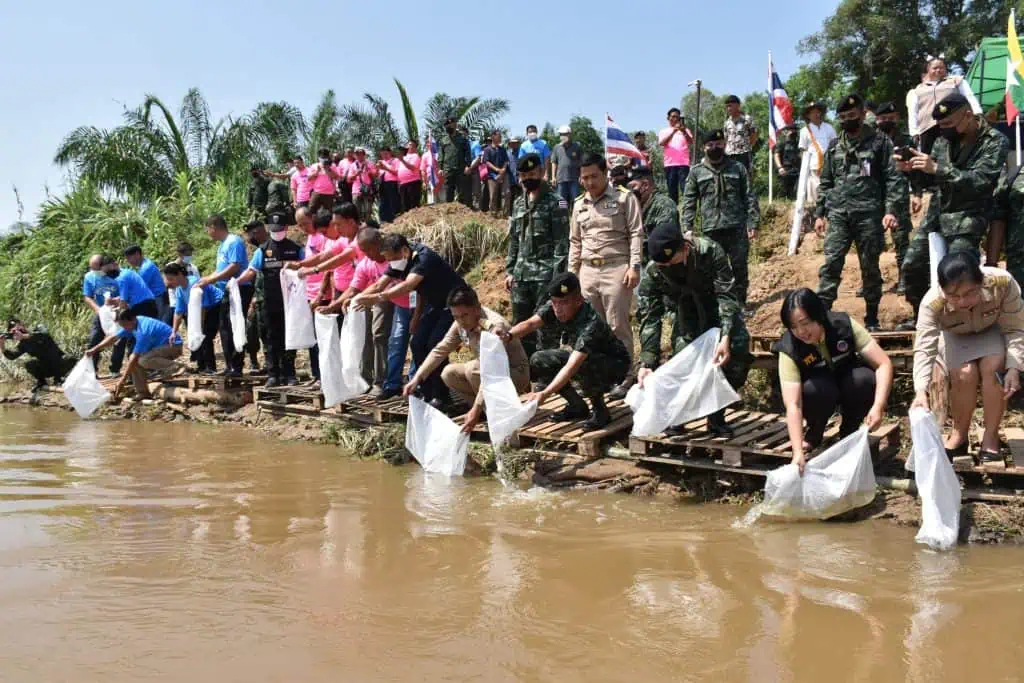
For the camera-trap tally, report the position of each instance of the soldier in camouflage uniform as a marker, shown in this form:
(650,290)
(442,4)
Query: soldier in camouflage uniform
(888,118)
(454,157)
(657,206)
(279,201)
(1007,227)
(598,359)
(858,185)
(787,160)
(258,193)
(538,247)
(692,277)
(729,210)
(966,162)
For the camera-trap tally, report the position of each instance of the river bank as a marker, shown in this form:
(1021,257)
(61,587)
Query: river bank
(980,522)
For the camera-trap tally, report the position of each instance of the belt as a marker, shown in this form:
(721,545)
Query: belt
(598,261)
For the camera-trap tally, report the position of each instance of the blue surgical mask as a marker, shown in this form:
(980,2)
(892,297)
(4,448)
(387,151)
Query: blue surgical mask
(186,259)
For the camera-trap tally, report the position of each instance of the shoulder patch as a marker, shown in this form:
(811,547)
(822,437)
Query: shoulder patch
(1001,281)
(937,304)
(623,190)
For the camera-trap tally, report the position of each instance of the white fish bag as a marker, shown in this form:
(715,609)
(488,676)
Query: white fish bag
(505,413)
(436,442)
(237,314)
(195,318)
(83,390)
(107,324)
(936,252)
(298,319)
(328,341)
(353,339)
(937,483)
(840,479)
(686,388)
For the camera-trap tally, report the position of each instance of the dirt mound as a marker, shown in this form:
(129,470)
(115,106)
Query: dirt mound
(488,279)
(778,274)
(454,214)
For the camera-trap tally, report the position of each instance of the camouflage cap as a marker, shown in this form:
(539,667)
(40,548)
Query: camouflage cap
(950,104)
(851,101)
(564,284)
(529,163)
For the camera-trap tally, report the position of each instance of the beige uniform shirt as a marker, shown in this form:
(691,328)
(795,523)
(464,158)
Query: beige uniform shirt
(610,227)
(1000,305)
(456,338)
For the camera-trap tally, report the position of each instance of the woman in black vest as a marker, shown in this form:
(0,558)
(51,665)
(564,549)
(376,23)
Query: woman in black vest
(827,360)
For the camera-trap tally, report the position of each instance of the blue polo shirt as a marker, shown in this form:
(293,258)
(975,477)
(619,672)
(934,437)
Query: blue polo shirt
(151,275)
(133,289)
(539,147)
(98,286)
(211,296)
(232,250)
(149,334)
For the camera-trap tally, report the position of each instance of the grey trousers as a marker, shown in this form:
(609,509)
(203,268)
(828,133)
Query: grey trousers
(375,352)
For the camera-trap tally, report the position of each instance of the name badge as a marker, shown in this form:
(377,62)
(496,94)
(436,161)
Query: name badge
(612,204)
(865,168)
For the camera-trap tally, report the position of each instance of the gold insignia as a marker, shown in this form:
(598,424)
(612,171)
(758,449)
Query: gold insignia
(851,101)
(668,252)
(565,289)
(266,252)
(943,108)
(808,359)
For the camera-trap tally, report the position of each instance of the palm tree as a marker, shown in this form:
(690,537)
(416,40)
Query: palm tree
(477,116)
(324,128)
(412,128)
(371,126)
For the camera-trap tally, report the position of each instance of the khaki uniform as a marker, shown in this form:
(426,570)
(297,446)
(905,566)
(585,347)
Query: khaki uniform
(464,378)
(1000,305)
(162,359)
(606,238)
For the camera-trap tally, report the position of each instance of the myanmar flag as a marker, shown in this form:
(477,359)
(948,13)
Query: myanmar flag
(1014,75)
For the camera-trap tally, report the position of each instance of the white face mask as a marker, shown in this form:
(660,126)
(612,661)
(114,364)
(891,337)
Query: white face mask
(532,137)
(278,236)
(186,259)
(399,264)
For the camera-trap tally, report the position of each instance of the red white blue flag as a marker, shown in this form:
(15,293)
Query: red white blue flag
(780,113)
(617,141)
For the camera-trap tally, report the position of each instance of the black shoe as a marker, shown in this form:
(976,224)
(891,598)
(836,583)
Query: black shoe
(677,430)
(233,374)
(38,386)
(387,395)
(272,382)
(599,416)
(257,370)
(620,391)
(957,452)
(290,381)
(717,425)
(571,413)
(871,318)
(899,289)
(440,404)
(907,325)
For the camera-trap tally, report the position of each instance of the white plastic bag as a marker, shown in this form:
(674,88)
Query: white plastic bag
(936,252)
(505,413)
(838,480)
(195,319)
(298,319)
(937,483)
(686,388)
(436,442)
(107,324)
(237,314)
(353,340)
(83,390)
(338,381)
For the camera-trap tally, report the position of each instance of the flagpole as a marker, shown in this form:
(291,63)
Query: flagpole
(771,103)
(1018,139)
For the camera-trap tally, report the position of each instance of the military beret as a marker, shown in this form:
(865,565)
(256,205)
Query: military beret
(852,101)
(641,172)
(715,135)
(814,104)
(949,104)
(732,99)
(663,242)
(619,171)
(528,163)
(886,108)
(564,284)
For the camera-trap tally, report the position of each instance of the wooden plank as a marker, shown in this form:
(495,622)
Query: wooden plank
(1015,441)
(704,464)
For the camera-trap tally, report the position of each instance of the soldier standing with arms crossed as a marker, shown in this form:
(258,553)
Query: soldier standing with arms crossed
(454,159)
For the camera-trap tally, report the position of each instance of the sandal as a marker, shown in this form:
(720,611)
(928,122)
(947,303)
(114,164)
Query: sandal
(988,456)
(957,452)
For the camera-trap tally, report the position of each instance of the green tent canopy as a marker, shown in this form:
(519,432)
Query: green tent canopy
(987,75)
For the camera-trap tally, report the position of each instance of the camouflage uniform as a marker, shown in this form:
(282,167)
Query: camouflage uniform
(901,235)
(1009,208)
(965,182)
(607,359)
(278,200)
(702,294)
(538,249)
(859,184)
(728,208)
(737,139)
(255,324)
(659,209)
(453,157)
(788,148)
(257,197)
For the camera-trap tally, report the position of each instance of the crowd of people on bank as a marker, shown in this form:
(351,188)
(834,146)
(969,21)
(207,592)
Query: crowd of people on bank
(588,246)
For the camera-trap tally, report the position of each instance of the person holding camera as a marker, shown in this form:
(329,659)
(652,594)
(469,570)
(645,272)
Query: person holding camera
(322,178)
(47,358)
(676,141)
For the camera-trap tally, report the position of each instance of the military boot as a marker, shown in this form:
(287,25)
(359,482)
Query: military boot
(620,391)
(871,318)
(599,416)
(717,425)
(575,408)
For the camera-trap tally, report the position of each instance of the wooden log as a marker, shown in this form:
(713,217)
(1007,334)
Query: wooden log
(201,396)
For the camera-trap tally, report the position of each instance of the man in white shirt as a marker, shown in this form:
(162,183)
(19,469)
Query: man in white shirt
(815,138)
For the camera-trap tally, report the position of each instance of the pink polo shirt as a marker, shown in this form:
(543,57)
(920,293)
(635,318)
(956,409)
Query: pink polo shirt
(322,183)
(314,245)
(391,174)
(404,174)
(359,179)
(369,271)
(301,185)
(677,151)
(344,273)
(343,167)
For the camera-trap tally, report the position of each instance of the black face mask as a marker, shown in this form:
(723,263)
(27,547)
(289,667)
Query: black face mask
(531,184)
(715,155)
(114,273)
(851,126)
(950,134)
(887,127)
(254,242)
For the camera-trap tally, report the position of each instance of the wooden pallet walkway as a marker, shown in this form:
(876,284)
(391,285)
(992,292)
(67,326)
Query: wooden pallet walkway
(760,443)
(544,432)
(195,382)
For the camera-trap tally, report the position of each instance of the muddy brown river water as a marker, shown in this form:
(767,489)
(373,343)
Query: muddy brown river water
(152,552)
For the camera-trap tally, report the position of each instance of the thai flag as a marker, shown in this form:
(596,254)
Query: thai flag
(780,114)
(617,141)
(430,158)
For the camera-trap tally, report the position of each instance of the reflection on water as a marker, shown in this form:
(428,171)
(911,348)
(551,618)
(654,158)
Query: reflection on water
(174,552)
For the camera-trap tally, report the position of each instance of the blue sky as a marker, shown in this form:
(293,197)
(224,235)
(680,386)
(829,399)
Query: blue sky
(74,63)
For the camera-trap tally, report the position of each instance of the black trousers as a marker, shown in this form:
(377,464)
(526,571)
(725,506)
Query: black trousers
(280,362)
(234,358)
(147,308)
(95,337)
(206,357)
(390,202)
(434,324)
(853,392)
(410,194)
(163,305)
(42,371)
(458,186)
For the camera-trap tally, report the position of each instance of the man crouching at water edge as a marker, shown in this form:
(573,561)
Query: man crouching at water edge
(47,358)
(598,360)
(464,378)
(156,348)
